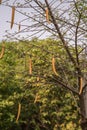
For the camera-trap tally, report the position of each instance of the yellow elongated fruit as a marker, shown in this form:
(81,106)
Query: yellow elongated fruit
(30,66)
(37,98)
(19,111)
(2,51)
(47,15)
(12,16)
(0,1)
(38,78)
(53,66)
(81,86)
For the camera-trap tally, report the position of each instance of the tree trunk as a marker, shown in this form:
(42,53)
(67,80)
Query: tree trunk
(24,126)
(83,110)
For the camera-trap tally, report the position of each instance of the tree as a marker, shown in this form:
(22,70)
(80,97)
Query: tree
(65,21)
(42,106)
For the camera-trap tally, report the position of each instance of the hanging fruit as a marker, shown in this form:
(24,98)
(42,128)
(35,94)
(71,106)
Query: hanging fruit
(37,98)
(53,66)
(30,66)
(19,111)
(47,15)
(12,16)
(81,82)
(19,27)
(2,51)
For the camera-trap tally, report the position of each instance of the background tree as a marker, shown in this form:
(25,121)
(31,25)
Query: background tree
(65,21)
(42,106)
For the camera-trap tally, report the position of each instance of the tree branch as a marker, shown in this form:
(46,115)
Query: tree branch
(57,81)
(60,34)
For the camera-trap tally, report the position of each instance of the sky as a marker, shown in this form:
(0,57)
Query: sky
(5,13)
(5,16)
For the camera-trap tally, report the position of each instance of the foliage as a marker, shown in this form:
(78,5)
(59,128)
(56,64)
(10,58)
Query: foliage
(45,105)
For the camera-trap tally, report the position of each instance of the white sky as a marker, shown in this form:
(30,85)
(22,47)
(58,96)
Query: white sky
(5,15)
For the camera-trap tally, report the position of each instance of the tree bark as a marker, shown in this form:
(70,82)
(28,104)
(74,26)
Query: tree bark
(83,111)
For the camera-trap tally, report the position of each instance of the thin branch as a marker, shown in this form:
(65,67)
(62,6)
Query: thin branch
(76,40)
(60,35)
(64,85)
